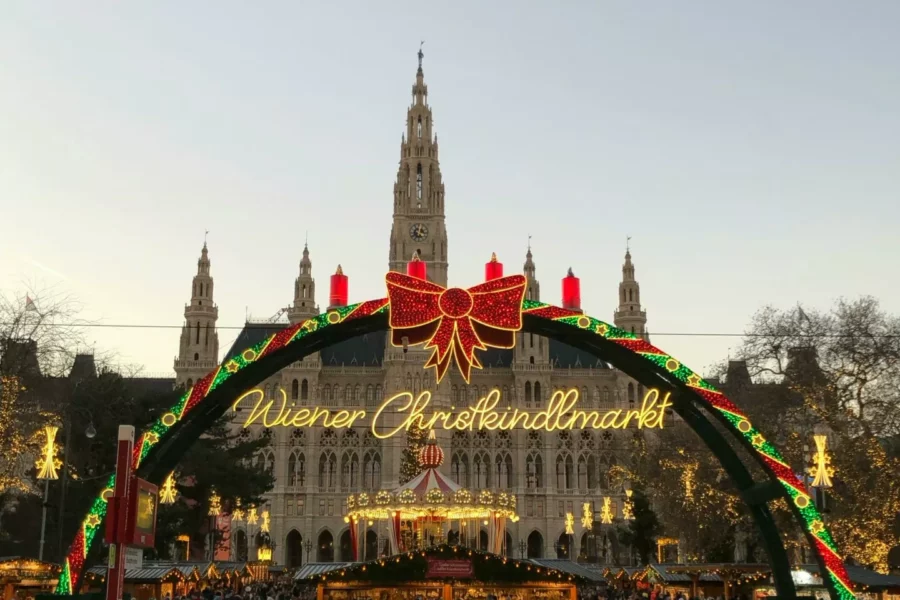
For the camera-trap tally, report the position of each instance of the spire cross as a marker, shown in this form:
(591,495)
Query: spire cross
(421,54)
(628,244)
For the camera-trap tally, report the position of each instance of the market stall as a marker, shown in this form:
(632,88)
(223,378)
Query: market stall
(445,573)
(20,576)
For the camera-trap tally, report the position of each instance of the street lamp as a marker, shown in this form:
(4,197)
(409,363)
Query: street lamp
(522,547)
(215,508)
(47,467)
(307,545)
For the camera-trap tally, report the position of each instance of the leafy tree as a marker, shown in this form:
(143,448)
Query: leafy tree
(222,460)
(643,530)
(409,461)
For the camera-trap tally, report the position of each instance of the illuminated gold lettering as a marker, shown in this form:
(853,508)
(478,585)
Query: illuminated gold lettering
(406,410)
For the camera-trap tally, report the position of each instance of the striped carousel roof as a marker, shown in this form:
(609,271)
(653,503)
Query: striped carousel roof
(429,479)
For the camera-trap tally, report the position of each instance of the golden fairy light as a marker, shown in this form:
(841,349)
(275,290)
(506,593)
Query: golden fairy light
(628,506)
(252,517)
(606,513)
(47,464)
(215,504)
(264,553)
(821,471)
(265,522)
(587,516)
(168,492)
(237,513)
(570,523)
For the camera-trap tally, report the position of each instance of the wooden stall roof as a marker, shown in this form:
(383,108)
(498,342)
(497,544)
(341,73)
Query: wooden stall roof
(23,566)
(863,578)
(314,570)
(411,566)
(572,568)
(151,574)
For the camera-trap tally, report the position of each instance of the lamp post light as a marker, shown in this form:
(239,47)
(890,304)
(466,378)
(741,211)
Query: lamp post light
(307,545)
(215,508)
(523,547)
(47,467)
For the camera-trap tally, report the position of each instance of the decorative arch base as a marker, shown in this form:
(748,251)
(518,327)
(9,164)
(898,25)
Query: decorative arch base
(159,448)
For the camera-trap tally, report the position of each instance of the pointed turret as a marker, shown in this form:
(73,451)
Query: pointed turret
(199,347)
(533,291)
(629,315)
(304,305)
(531,348)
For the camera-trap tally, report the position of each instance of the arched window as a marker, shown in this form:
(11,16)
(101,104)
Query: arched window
(350,471)
(419,128)
(292,469)
(606,396)
(378,394)
(528,392)
(198,333)
(348,394)
(504,471)
(370,395)
(535,545)
(196,356)
(372,470)
(190,383)
(327,470)
(459,468)
(582,472)
(294,554)
(325,547)
(537,393)
(295,390)
(631,392)
(304,390)
(534,470)
(481,469)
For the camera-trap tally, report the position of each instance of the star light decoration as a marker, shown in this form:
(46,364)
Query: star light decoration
(821,471)
(237,513)
(587,516)
(215,504)
(168,492)
(48,464)
(606,513)
(570,524)
(628,506)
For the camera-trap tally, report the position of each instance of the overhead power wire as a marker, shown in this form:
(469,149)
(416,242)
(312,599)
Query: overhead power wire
(652,333)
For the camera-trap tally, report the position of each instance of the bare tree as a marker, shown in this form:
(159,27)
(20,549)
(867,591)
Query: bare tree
(39,336)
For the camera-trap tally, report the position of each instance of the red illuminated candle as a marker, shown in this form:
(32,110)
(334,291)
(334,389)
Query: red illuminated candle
(493,269)
(571,291)
(339,289)
(417,267)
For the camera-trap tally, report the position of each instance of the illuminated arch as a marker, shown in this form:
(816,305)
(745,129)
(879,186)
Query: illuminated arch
(158,449)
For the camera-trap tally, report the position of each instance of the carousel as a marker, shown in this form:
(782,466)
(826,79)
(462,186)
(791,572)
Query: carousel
(431,509)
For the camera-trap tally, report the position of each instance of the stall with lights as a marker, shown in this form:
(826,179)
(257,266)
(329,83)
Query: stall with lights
(446,573)
(422,512)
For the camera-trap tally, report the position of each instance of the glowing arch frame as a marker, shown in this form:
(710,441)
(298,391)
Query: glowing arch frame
(158,449)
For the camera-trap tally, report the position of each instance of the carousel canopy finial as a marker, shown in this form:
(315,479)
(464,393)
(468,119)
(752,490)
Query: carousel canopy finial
(431,456)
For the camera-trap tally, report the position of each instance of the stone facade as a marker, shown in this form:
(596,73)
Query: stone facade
(550,473)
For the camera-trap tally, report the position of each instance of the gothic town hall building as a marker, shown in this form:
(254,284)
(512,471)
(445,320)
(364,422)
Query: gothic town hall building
(551,474)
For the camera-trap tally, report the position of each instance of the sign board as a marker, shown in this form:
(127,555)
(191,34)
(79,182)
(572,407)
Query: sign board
(141,526)
(134,558)
(112,556)
(449,569)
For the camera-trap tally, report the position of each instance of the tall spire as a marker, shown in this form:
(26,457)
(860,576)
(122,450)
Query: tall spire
(304,305)
(533,291)
(419,224)
(199,345)
(629,315)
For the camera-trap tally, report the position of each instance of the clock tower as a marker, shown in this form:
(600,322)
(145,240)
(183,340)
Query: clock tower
(419,192)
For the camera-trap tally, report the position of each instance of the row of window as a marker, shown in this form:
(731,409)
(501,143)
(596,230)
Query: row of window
(585,472)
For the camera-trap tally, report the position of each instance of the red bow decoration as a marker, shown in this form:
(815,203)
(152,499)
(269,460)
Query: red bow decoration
(455,321)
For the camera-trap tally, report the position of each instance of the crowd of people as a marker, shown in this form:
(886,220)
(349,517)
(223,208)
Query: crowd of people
(258,591)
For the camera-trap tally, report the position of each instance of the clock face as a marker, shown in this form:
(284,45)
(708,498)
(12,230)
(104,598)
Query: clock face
(418,232)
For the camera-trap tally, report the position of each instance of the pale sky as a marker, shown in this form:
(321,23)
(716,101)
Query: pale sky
(751,149)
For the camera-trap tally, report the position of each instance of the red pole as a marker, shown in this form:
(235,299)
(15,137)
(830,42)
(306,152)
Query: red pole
(116,577)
